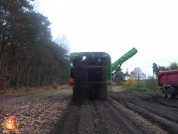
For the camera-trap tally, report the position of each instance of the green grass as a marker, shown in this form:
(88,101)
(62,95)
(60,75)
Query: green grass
(142,90)
(149,85)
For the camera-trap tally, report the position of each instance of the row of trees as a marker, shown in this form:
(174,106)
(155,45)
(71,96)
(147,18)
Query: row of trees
(120,77)
(28,55)
(157,68)
(138,74)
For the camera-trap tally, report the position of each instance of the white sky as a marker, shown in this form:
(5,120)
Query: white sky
(116,26)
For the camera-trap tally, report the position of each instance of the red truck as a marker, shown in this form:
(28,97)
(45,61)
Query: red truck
(168,81)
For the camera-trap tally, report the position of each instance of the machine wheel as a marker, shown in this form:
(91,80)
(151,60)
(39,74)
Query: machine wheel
(164,93)
(74,93)
(169,93)
(103,92)
(174,96)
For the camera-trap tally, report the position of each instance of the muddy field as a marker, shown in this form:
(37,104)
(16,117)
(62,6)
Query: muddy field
(123,113)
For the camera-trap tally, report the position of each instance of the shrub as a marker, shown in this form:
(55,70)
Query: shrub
(121,83)
(151,83)
(138,84)
(130,81)
(55,85)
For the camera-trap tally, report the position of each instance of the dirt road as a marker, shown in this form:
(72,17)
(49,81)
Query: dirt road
(36,113)
(123,113)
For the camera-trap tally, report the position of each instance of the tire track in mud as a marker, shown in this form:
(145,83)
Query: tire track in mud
(120,114)
(170,125)
(97,126)
(119,118)
(161,115)
(84,120)
(156,98)
(68,122)
(86,123)
(130,125)
(165,111)
(163,102)
(106,124)
(95,117)
(143,123)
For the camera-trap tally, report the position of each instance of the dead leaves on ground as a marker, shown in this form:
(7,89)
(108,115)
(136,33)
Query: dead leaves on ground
(37,115)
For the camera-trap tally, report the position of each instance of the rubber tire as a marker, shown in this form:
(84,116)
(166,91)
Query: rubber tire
(164,93)
(103,92)
(74,94)
(174,96)
(169,93)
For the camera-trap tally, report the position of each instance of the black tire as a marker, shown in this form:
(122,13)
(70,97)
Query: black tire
(164,93)
(103,86)
(169,93)
(103,92)
(174,96)
(74,93)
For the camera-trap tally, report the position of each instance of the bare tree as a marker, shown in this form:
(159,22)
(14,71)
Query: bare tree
(138,74)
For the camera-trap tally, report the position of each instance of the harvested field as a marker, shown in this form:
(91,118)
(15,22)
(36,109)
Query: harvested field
(152,107)
(37,113)
(122,113)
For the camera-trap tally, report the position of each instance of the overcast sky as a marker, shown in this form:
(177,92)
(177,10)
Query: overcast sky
(116,26)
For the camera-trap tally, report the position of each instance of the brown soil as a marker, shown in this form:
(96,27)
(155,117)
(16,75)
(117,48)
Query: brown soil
(36,113)
(159,111)
(122,113)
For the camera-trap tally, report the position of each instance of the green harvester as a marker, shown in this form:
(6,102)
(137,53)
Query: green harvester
(90,74)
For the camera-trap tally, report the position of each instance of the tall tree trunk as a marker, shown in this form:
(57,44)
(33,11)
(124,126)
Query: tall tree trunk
(18,74)
(36,78)
(31,82)
(2,50)
(42,78)
(27,75)
(39,79)
(7,61)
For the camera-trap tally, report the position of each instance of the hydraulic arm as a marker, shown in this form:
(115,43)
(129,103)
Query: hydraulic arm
(117,64)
